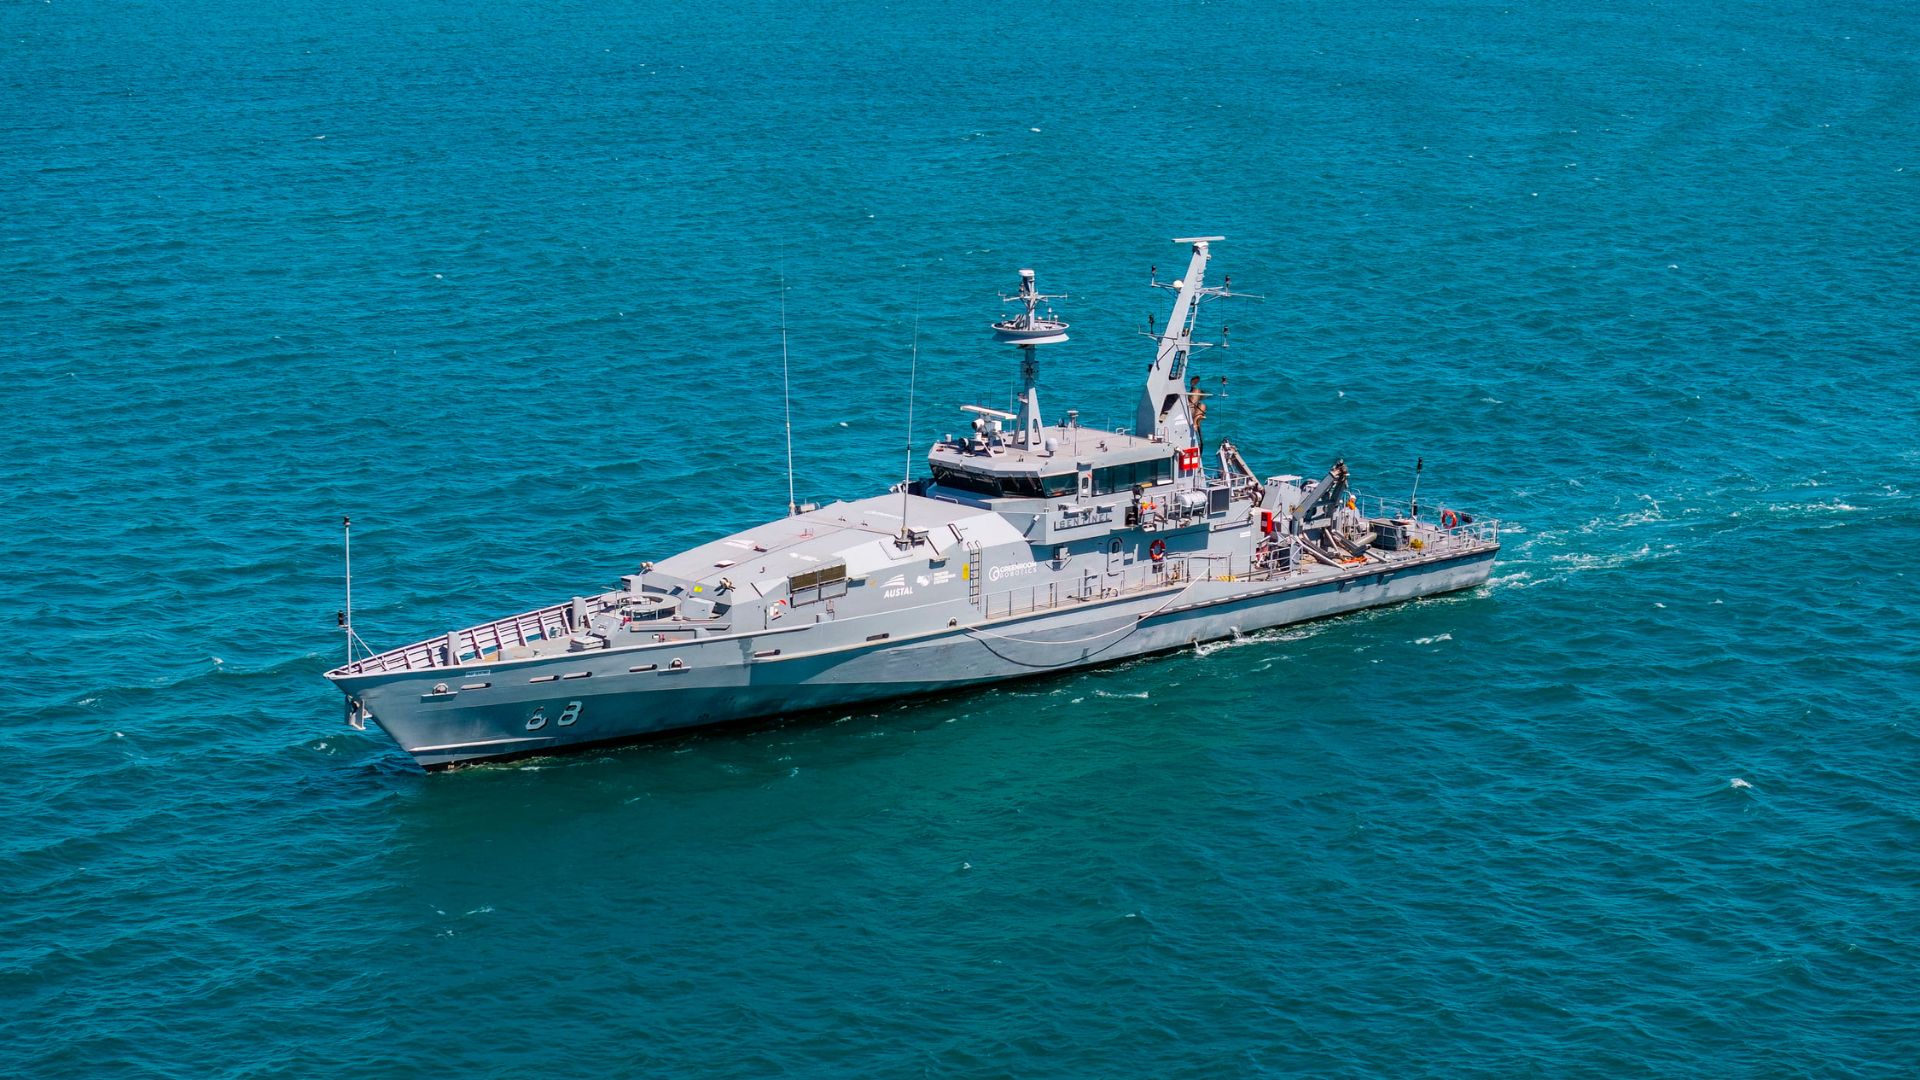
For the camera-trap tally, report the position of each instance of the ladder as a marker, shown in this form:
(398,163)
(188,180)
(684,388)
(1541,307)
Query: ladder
(973,574)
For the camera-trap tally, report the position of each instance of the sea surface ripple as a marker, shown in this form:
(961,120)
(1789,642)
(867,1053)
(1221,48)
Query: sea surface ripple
(503,283)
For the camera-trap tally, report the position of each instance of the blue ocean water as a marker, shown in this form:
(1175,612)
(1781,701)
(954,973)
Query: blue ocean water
(503,282)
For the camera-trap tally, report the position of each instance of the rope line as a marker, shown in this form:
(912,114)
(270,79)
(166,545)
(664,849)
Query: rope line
(1123,630)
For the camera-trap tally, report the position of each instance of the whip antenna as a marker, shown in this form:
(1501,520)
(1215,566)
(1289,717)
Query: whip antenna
(786,384)
(1414,505)
(913,376)
(346,614)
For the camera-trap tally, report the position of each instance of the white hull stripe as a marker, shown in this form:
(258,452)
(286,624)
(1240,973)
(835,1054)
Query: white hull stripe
(483,742)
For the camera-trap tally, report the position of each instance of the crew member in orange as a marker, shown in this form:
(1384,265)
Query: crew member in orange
(1196,408)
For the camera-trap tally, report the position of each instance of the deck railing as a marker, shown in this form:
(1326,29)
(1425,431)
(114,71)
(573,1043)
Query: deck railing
(1277,562)
(473,644)
(1434,531)
(1141,577)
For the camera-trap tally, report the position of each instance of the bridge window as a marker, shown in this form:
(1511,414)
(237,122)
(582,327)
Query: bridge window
(1123,477)
(961,480)
(1015,487)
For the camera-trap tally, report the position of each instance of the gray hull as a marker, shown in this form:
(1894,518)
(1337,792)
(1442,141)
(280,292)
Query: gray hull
(443,717)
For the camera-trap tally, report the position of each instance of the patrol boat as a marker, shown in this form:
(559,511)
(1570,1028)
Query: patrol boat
(1028,548)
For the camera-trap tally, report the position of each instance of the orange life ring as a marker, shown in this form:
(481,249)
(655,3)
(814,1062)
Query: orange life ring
(1448,519)
(1157,550)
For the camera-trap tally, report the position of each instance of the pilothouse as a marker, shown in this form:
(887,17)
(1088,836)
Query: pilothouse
(1027,548)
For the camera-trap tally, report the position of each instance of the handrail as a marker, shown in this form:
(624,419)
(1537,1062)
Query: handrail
(1287,562)
(470,645)
(1433,528)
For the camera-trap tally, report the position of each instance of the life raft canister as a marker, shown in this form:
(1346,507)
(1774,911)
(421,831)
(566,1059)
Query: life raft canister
(1157,550)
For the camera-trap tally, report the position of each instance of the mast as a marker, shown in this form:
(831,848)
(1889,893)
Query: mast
(1029,398)
(1163,404)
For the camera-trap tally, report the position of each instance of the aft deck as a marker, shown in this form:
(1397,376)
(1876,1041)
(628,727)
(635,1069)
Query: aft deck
(1420,541)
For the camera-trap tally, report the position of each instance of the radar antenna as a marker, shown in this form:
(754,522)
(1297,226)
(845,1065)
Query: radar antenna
(1028,330)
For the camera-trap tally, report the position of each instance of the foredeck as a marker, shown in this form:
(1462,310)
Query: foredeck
(856,534)
(475,643)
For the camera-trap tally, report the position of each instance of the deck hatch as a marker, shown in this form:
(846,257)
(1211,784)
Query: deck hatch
(820,583)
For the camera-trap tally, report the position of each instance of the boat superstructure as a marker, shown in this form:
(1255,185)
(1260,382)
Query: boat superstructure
(1037,549)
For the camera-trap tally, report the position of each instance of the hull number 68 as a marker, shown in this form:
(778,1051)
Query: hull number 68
(567,716)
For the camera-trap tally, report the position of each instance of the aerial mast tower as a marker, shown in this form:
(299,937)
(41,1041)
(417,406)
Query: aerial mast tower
(1028,330)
